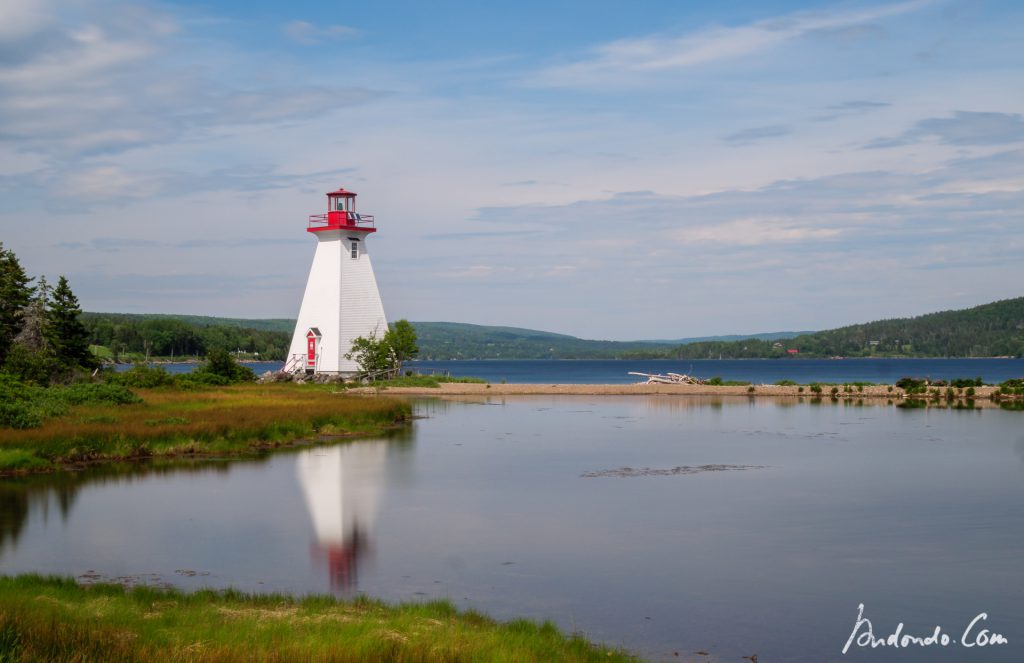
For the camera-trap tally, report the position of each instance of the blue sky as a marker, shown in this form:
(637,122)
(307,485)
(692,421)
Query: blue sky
(604,169)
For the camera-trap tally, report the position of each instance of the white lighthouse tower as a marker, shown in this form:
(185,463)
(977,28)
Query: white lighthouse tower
(342,301)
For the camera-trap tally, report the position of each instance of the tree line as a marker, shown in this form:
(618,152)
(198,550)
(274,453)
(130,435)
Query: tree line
(989,330)
(42,338)
(160,336)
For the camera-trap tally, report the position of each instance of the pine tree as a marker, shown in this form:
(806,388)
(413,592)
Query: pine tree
(15,295)
(67,333)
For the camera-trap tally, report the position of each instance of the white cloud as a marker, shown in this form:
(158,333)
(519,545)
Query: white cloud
(113,80)
(619,60)
(305,32)
(753,231)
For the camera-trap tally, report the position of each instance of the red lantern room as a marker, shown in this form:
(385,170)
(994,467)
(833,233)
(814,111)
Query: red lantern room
(341,214)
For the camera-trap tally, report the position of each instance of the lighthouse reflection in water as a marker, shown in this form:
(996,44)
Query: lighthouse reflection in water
(342,486)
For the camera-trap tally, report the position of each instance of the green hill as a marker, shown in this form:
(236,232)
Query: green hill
(268,324)
(456,340)
(989,330)
(995,329)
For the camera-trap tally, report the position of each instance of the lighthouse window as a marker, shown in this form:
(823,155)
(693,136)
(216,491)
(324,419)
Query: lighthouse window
(355,250)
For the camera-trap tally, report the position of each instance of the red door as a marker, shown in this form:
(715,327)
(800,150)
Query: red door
(311,351)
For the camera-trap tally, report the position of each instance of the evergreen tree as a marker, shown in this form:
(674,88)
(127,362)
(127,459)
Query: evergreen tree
(67,333)
(15,294)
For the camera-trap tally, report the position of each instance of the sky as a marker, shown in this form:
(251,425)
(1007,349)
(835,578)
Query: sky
(614,170)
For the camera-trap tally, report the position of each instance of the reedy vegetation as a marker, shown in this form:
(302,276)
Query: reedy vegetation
(167,422)
(54,619)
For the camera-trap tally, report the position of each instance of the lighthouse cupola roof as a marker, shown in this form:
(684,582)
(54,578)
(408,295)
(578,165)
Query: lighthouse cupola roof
(341,213)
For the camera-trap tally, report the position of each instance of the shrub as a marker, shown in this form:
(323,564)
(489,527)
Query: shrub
(26,406)
(141,376)
(220,369)
(786,383)
(911,385)
(77,394)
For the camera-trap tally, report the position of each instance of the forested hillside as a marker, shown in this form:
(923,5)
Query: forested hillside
(995,329)
(454,340)
(184,336)
(990,330)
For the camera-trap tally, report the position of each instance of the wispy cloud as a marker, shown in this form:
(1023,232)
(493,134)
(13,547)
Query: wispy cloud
(754,134)
(307,33)
(620,59)
(78,87)
(964,128)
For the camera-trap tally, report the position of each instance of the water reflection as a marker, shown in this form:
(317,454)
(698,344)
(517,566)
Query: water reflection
(342,486)
(24,497)
(19,497)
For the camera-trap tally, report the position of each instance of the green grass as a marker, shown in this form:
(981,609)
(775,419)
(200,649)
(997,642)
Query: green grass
(208,421)
(55,619)
(428,381)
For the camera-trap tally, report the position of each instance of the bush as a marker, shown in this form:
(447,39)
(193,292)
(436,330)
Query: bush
(141,376)
(911,385)
(786,383)
(27,406)
(221,368)
(77,394)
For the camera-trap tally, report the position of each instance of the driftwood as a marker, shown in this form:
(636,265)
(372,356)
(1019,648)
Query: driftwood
(670,378)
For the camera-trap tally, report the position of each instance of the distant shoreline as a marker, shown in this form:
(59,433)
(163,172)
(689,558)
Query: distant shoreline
(883,392)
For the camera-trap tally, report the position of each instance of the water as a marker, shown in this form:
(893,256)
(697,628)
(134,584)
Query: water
(758,371)
(918,514)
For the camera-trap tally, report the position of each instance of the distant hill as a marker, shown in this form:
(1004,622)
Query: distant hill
(767,336)
(457,340)
(995,329)
(267,324)
(989,330)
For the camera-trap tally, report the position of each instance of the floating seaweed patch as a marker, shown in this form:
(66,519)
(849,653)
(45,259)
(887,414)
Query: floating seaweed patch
(667,472)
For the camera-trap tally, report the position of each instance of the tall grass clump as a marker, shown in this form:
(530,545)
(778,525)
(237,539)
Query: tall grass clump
(224,420)
(53,619)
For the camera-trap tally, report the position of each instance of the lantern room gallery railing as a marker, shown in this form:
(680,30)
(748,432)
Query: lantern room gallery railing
(341,220)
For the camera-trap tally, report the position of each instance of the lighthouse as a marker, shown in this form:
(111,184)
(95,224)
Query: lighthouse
(341,302)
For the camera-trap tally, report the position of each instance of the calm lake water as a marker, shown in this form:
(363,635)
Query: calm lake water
(758,371)
(521,507)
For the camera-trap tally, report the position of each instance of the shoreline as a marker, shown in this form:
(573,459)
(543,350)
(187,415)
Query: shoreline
(884,392)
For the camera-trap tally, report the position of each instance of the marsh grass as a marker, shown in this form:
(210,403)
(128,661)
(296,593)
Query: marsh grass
(222,420)
(428,381)
(55,619)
